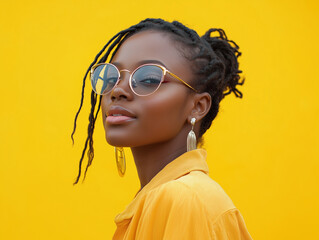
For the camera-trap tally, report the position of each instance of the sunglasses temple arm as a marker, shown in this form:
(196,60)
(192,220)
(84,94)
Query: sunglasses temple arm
(172,74)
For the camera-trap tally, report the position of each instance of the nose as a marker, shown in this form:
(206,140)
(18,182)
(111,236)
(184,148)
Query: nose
(122,89)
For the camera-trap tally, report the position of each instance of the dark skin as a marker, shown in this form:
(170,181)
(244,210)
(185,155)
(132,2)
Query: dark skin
(158,124)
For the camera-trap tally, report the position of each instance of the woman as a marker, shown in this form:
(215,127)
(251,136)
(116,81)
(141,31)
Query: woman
(161,90)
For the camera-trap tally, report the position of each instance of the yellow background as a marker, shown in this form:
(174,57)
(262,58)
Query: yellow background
(263,149)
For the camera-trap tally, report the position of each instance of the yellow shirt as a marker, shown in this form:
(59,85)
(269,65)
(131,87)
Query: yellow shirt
(182,202)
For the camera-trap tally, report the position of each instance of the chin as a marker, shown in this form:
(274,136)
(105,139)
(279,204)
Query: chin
(119,141)
(115,142)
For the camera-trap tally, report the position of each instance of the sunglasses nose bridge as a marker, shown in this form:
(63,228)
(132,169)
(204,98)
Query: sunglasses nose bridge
(121,76)
(120,73)
(124,70)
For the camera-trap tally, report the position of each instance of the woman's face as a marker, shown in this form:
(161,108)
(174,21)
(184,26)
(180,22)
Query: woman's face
(155,118)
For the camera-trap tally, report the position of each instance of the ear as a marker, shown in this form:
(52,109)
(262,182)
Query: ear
(202,103)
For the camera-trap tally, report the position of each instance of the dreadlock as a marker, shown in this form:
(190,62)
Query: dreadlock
(215,66)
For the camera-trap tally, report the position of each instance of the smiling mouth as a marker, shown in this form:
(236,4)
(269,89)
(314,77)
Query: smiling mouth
(117,119)
(119,115)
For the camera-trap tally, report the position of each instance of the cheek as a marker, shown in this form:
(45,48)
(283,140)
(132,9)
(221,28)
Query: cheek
(163,116)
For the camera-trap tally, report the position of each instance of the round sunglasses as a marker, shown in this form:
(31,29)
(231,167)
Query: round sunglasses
(143,81)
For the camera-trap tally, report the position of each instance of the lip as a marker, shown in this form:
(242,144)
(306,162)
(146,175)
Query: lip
(119,115)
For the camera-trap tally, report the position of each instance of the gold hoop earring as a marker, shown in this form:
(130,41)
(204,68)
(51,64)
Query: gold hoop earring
(120,160)
(191,138)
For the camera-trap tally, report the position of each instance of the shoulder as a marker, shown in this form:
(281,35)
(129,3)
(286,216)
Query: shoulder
(190,207)
(194,192)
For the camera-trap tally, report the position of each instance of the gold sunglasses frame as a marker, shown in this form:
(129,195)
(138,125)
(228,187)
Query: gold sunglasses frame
(131,74)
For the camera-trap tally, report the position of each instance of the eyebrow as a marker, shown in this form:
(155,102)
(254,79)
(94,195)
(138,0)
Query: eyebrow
(142,62)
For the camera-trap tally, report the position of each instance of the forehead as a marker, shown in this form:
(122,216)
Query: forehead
(150,45)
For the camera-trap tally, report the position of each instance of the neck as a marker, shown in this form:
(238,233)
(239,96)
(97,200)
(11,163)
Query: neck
(151,159)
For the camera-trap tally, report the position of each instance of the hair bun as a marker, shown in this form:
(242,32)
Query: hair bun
(227,51)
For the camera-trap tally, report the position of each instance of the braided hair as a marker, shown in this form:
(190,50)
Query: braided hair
(214,63)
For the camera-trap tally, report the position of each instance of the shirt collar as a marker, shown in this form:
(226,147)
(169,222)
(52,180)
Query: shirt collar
(194,160)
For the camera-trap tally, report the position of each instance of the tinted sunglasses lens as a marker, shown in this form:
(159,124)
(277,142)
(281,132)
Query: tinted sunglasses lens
(146,79)
(104,78)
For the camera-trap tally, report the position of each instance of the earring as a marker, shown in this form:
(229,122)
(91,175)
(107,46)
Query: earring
(191,138)
(120,160)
